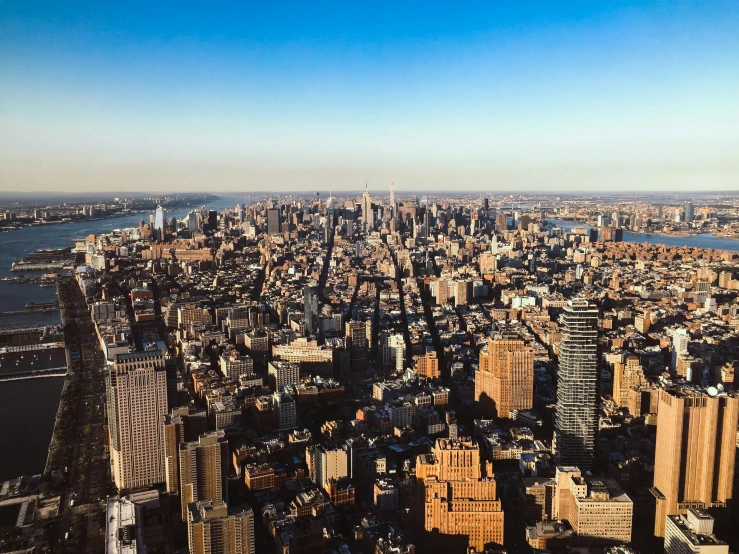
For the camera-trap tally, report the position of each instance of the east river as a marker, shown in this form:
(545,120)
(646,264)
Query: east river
(703,240)
(28,408)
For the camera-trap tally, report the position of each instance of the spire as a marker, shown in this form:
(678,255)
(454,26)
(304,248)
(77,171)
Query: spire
(365,186)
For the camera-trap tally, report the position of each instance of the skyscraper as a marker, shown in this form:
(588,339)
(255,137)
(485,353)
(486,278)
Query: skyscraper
(310,305)
(455,498)
(136,387)
(392,196)
(201,469)
(505,378)
(576,418)
(213,529)
(694,455)
(273,222)
(367,213)
(160,221)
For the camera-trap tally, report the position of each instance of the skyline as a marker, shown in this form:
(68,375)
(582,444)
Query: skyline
(531,98)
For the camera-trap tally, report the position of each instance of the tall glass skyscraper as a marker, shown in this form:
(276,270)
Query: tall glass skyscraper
(160,221)
(576,419)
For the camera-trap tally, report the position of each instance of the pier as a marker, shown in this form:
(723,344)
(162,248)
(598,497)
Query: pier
(38,374)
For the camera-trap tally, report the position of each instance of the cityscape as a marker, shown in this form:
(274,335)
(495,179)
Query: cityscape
(369,278)
(383,372)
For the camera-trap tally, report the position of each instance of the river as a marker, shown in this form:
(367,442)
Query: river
(703,240)
(28,408)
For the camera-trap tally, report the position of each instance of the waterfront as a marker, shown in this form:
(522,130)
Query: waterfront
(28,408)
(704,240)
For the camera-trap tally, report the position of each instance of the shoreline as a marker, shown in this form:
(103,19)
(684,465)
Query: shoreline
(10,229)
(676,235)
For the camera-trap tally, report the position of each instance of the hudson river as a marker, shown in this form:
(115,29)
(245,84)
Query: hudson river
(28,408)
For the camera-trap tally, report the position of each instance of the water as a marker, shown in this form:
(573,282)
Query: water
(27,412)
(28,408)
(703,240)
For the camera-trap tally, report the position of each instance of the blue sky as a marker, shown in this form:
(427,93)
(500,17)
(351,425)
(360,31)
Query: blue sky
(486,96)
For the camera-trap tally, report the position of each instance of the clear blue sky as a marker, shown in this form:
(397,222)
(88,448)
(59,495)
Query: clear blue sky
(315,95)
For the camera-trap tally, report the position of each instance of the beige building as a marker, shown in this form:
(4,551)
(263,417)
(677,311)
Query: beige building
(596,508)
(282,373)
(202,468)
(505,378)
(233,365)
(174,434)
(694,457)
(212,529)
(136,388)
(326,463)
(626,375)
(455,497)
(692,533)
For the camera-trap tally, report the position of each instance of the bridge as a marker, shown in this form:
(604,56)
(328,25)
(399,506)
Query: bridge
(38,374)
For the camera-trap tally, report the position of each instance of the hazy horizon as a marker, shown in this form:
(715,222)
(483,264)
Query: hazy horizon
(532,97)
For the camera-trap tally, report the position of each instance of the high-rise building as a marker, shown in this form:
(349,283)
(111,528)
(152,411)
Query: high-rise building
(192,221)
(201,469)
(273,222)
(692,534)
(284,411)
(136,388)
(214,529)
(326,463)
(626,375)
(428,365)
(283,373)
(455,497)
(160,221)
(576,418)
(368,216)
(598,510)
(174,434)
(505,378)
(688,211)
(392,197)
(694,455)
(310,305)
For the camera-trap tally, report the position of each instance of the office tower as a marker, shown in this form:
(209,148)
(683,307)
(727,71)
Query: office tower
(455,498)
(598,510)
(273,222)
(428,365)
(283,373)
(694,454)
(214,529)
(505,378)
(192,221)
(626,375)
(213,220)
(326,463)
(174,434)
(392,196)
(680,340)
(689,211)
(393,350)
(136,388)
(160,221)
(284,411)
(310,305)
(692,533)
(201,469)
(367,214)
(576,418)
